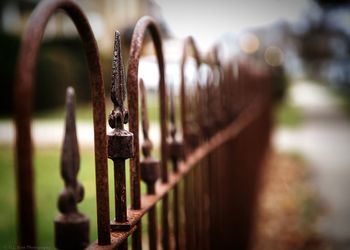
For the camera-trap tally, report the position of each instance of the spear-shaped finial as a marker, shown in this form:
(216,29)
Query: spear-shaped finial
(119,115)
(70,160)
(120,141)
(71,227)
(118,80)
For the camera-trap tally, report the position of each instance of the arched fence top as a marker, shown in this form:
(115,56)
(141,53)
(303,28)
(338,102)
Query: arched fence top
(145,24)
(188,45)
(26,67)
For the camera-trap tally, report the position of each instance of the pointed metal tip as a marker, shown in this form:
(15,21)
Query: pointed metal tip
(70,159)
(70,93)
(70,151)
(70,101)
(70,110)
(118,85)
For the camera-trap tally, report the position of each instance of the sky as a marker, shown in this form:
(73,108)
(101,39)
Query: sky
(207,20)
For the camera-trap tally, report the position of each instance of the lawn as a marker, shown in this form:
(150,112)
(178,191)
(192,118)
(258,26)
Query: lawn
(47,187)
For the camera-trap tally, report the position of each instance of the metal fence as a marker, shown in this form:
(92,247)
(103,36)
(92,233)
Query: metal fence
(208,194)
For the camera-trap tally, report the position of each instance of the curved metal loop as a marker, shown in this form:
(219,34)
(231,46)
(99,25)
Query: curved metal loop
(144,24)
(189,43)
(26,67)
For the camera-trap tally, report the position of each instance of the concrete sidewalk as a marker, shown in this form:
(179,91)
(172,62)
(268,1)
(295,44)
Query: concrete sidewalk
(324,141)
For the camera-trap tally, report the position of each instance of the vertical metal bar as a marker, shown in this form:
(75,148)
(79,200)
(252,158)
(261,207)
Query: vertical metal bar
(152,228)
(119,191)
(137,237)
(175,153)
(120,141)
(124,245)
(149,168)
(165,222)
(176,217)
(26,66)
(188,139)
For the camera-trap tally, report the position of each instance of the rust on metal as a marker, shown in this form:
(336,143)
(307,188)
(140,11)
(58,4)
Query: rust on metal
(226,123)
(175,154)
(71,227)
(250,113)
(149,165)
(145,24)
(26,67)
(149,168)
(190,133)
(175,146)
(120,141)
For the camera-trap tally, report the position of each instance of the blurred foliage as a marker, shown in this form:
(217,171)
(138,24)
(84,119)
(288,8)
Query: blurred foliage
(61,63)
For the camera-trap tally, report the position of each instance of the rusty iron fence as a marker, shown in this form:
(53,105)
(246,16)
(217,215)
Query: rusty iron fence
(207,176)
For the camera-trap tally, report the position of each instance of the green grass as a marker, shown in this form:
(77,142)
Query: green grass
(287,115)
(48,184)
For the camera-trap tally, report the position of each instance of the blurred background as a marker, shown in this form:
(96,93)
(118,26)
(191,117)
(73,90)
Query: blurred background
(305,42)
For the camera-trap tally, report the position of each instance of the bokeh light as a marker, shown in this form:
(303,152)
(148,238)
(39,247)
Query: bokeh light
(274,56)
(249,43)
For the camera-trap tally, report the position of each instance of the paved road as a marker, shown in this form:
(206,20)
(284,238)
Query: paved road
(324,141)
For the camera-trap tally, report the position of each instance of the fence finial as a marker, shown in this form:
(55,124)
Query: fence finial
(119,115)
(72,227)
(120,141)
(176,148)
